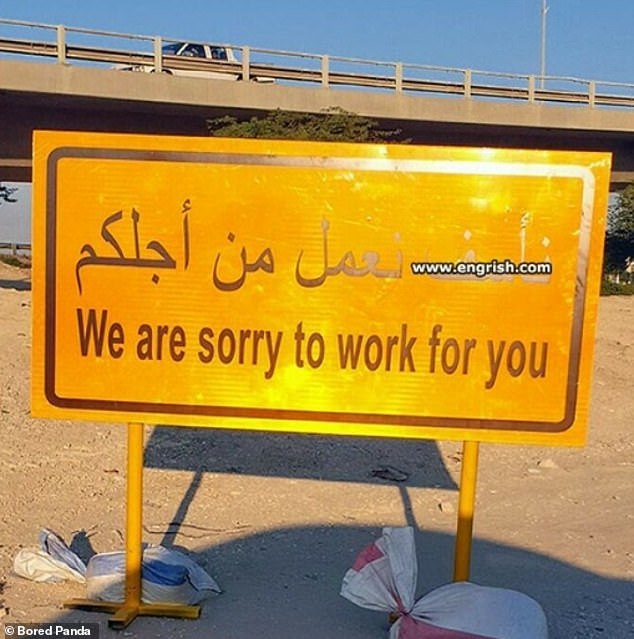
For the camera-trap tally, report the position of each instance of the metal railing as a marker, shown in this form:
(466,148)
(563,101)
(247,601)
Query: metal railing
(15,248)
(66,45)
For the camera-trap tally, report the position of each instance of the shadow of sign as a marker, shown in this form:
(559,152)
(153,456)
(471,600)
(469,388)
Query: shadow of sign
(17,284)
(346,459)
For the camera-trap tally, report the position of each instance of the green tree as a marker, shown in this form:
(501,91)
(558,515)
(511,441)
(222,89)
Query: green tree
(619,240)
(621,214)
(332,125)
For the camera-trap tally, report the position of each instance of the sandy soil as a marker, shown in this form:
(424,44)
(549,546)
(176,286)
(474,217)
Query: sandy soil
(278,519)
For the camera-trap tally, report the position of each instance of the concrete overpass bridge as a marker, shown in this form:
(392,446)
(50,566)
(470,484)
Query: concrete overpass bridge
(64,79)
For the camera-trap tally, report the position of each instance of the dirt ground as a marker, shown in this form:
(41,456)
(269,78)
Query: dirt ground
(278,519)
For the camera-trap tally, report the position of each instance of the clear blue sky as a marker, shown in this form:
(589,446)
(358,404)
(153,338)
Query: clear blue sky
(586,38)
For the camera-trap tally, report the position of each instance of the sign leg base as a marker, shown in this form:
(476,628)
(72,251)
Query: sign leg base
(124,614)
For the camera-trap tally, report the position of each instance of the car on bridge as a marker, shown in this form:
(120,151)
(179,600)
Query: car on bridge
(199,51)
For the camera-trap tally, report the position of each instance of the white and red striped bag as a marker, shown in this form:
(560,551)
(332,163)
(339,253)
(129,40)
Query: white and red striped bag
(384,578)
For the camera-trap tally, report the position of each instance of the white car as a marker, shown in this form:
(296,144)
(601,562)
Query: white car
(216,53)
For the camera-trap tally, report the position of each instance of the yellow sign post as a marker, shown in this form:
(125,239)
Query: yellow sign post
(394,291)
(466,508)
(125,612)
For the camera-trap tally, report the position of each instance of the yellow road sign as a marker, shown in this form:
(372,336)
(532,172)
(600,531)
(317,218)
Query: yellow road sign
(402,291)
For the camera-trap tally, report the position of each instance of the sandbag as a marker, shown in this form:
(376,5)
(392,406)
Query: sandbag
(53,562)
(38,565)
(167,576)
(384,575)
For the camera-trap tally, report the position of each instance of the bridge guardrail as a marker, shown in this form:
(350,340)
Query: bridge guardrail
(66,45)
(15,248)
